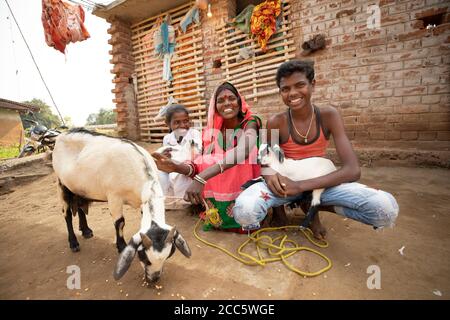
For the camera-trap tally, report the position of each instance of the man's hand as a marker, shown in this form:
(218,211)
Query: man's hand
(164,163)
(194,194)
(282,186)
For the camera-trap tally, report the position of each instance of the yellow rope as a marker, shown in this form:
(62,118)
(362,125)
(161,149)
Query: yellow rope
(277,251)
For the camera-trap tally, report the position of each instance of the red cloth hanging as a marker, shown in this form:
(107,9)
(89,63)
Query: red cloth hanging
(63,23)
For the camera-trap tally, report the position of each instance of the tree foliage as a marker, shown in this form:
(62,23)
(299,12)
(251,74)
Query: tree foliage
(104,116)
(45,116)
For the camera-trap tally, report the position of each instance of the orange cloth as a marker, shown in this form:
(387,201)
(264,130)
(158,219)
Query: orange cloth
(297,151)
(63,23)
(263,21)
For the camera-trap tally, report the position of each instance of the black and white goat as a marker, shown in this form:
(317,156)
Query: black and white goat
(94,167)
(296,170)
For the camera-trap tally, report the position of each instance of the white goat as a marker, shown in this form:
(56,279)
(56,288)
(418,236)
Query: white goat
(296,170)
(187,150)
(94,167)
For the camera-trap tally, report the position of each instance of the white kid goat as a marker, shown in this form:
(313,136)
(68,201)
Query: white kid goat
(296,170)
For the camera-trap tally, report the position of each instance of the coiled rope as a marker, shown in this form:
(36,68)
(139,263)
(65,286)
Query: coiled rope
(278,248)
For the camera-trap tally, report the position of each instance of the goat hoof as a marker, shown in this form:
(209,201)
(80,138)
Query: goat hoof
(75,248)
(120,248)
(87,234)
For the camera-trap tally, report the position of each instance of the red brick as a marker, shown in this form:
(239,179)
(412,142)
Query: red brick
(411,118)
(412,109)
(393,101)
(436,116)
(411,100)
(410,91)
(443,135)
(394,118)
(394,66)
(376,93)
(440,125)
(431,98)
(377,135)
(380,110)
(439,88)
(361,135)
(430,80)
(409,135)
(429,12)
(427,136)
(412,35)
(392,135)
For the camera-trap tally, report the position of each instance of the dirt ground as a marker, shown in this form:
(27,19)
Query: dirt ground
(34,252)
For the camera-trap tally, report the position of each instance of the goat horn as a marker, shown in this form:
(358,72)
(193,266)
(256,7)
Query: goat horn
(171,235)
(146,241)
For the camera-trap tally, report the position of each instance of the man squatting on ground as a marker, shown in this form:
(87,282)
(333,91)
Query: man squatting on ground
(304,131)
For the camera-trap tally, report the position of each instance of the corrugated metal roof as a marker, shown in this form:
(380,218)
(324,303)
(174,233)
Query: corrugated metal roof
(13,105)
(134,11)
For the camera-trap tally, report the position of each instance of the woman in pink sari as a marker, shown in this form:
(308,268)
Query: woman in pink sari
(230,146)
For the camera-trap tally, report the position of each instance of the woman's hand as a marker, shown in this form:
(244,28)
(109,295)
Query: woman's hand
(167,153)
(282,186)
(164,163)
(194,194)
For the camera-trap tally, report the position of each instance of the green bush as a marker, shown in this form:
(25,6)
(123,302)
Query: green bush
(9,152)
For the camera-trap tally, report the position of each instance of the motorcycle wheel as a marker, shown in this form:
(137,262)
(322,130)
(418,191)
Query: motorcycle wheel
(25,153)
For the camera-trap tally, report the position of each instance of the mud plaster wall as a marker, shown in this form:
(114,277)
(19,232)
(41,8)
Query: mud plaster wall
(11,129)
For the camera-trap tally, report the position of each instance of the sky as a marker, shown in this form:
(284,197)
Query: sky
(80,81)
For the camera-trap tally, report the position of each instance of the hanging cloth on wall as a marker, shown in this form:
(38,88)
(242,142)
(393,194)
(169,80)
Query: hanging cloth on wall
(164,42)
(163,109)
(263,21)
(63,23)
(242,20)
(192,15)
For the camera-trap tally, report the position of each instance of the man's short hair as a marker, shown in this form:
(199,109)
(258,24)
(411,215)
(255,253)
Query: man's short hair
(286,69)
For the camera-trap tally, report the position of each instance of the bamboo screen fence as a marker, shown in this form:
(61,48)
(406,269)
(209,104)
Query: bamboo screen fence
(188,83)
(255,76)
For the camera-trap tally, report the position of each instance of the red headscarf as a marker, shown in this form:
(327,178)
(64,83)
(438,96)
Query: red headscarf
(215,121)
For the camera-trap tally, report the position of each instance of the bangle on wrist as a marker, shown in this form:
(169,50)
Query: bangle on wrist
(191,170)
(199,179)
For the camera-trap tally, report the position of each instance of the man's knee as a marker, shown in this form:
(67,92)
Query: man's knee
(386,209)
(247,211)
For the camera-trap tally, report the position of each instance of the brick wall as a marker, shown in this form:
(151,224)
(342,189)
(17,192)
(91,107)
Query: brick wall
(123,69)
(221,10)
(390,84)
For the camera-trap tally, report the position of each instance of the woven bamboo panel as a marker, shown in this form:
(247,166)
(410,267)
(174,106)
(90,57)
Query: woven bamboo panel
(188,85)
(255,76)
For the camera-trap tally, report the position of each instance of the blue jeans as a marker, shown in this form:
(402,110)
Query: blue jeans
(352,200)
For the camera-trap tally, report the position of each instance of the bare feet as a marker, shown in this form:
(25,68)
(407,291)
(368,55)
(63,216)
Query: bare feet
(279,218)
(317,228)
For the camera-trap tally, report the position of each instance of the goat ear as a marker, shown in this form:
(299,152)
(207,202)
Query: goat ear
(124,261)
(182,245)
(171,234)
(146,241)
(279,153)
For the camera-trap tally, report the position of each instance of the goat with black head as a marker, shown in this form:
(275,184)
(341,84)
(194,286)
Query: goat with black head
(94,167)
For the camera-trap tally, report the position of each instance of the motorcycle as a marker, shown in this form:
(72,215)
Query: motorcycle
(41,139)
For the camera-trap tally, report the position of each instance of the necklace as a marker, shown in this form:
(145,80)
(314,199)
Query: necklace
(309,128)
